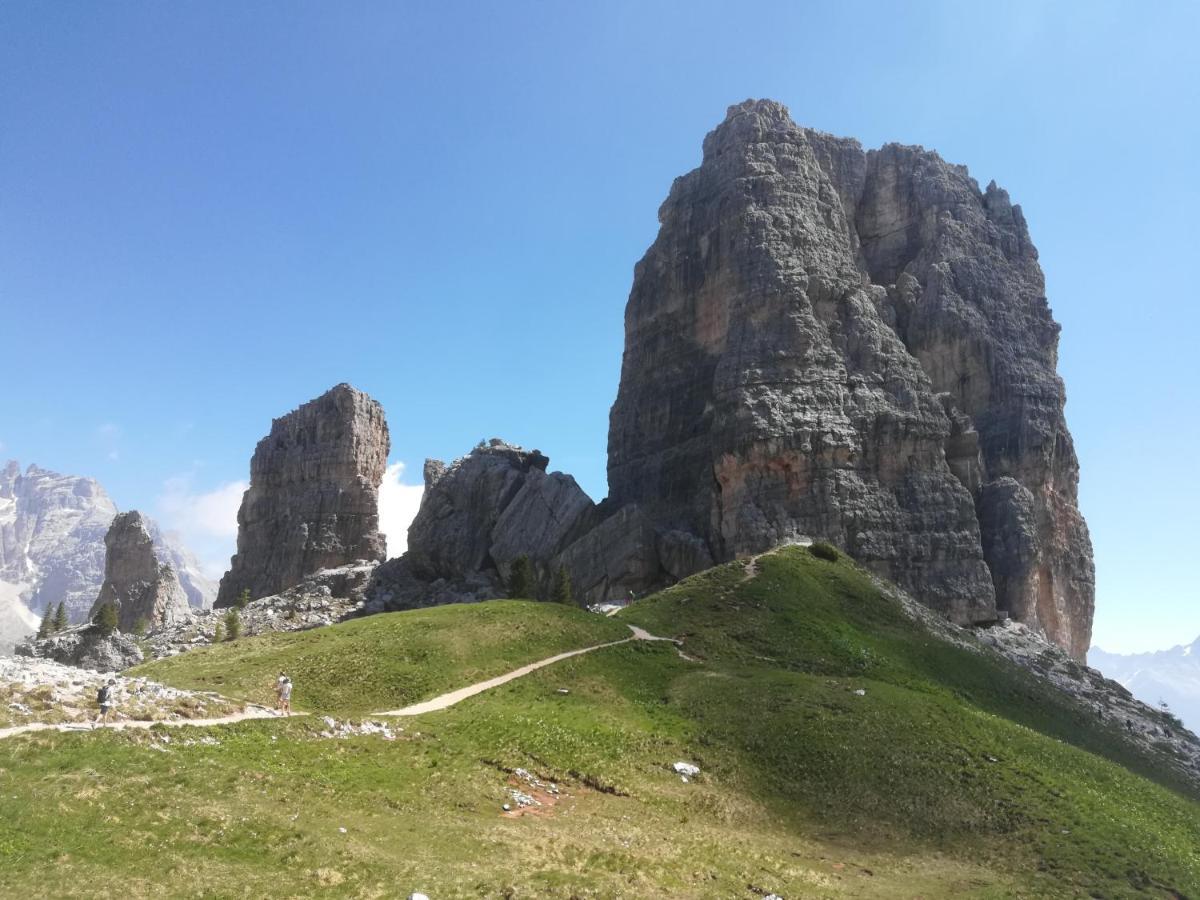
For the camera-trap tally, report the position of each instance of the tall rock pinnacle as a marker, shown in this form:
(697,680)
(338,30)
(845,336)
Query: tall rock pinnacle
(313,501)
(827,342)
(144,591)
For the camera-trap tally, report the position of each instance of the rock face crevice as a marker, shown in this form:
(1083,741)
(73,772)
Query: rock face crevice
(313,500)
(146,592)
(827,342)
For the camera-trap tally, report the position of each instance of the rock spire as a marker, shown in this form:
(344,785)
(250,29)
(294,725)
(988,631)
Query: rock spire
(145,591)
(313,500)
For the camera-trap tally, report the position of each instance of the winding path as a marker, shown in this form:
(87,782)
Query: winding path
(445,700)
(253,711)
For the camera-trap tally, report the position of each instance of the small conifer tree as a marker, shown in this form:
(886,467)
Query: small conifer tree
(219,632)
(561,592)
(233,625)
(243,599)
(47,623)
(520,578)
(141,626)
(106,619)
(60,618)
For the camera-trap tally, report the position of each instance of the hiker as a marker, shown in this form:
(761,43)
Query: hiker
(106,697)
(284,690)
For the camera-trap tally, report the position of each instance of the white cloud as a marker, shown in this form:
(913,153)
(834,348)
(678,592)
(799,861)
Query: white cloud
(206,520)
(398,503)
(108,436)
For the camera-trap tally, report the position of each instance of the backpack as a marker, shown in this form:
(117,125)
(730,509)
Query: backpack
(102,695)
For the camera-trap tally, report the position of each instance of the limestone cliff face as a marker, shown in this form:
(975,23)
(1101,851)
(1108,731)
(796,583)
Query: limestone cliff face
(313,500)
(827,342)
(144,590)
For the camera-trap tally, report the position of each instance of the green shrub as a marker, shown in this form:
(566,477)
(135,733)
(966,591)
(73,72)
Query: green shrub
(106,619)
(47,624)
(560,591)
(243,599)
(824,550)
(233,625)
(520,578)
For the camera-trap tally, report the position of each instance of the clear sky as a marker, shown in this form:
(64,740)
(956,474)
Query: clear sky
(212,212)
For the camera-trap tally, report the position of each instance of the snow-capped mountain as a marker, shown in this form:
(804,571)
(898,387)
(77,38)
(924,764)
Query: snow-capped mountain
(1171,675)
(52,531)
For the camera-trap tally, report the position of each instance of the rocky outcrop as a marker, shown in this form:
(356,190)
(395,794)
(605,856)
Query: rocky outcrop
(826,342)
(313,500)
(86,648)
(146,593)
(497,503)
(52,530)
(322,598)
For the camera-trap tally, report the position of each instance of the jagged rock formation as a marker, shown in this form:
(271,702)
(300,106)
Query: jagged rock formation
(313,501)
(854,345)
(52,530)
(146,593)
(497,503)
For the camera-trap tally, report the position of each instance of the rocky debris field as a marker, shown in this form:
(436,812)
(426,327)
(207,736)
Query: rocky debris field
(323,598)
(41,690)
(1153,729)
(335,729)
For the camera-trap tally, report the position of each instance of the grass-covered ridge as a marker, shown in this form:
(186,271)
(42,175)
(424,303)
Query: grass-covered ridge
(390,660)
(951,775)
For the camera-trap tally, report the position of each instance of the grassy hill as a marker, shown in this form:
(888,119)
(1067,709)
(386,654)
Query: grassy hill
(951,774)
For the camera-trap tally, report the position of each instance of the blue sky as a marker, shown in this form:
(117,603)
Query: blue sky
(211,212)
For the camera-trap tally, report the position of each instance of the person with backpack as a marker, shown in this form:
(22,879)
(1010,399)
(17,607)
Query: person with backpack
(106,697)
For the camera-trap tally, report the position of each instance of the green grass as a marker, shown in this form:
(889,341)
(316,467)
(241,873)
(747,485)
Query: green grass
(387,661)
(953,775)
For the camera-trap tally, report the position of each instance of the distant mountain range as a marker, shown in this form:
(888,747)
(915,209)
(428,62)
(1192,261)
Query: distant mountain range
(52,529)
(1171,675)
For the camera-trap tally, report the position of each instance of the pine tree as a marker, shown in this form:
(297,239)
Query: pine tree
(106,619)
(219,632)
(61,622)
(561,592)
(520,578)
(233,625)
(47,623)
(243,599)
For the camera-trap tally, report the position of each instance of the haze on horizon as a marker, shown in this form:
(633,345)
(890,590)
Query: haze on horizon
(208,219)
